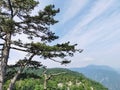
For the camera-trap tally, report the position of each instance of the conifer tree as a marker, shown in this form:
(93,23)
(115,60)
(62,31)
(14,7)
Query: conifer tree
(16,19)
(47,77)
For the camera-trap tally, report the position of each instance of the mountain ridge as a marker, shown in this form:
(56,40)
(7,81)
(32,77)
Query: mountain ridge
(105,75)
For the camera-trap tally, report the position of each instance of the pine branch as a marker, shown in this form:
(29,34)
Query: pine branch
(48,77)
(30,58)
(61,62)
(1,44)
(19,49)
(2,38)
(55,60)
(2,35)
(9,2)
(56,74)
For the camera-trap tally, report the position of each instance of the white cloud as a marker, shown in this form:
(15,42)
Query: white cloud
(97,31)
(92,34)
(73,8)
(98,9)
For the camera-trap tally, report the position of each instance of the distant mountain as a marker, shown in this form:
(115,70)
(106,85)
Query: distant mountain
(103,74)
(118,70)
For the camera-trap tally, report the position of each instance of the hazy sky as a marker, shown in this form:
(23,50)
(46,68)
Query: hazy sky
(94,25)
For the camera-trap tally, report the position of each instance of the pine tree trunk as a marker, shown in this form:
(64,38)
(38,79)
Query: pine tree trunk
(4,59)
(68,88)
(13,80)
(45,82)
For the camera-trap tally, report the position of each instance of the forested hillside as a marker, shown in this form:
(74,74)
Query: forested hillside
(34,80)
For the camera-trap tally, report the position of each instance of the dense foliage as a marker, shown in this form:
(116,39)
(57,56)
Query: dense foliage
(33,80)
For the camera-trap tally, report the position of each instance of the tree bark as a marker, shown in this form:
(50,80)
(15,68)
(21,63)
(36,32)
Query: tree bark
(12,82)
(48,77)
(45,81)
(4,59)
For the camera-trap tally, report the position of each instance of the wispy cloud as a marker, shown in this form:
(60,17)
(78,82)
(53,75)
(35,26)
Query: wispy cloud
(79,30)
(97,31)
(73,8)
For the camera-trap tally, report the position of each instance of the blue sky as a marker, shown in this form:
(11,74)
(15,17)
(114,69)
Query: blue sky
(94,25)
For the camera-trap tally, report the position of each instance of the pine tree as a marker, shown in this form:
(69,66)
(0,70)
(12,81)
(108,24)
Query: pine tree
(16,19)
(47,77)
